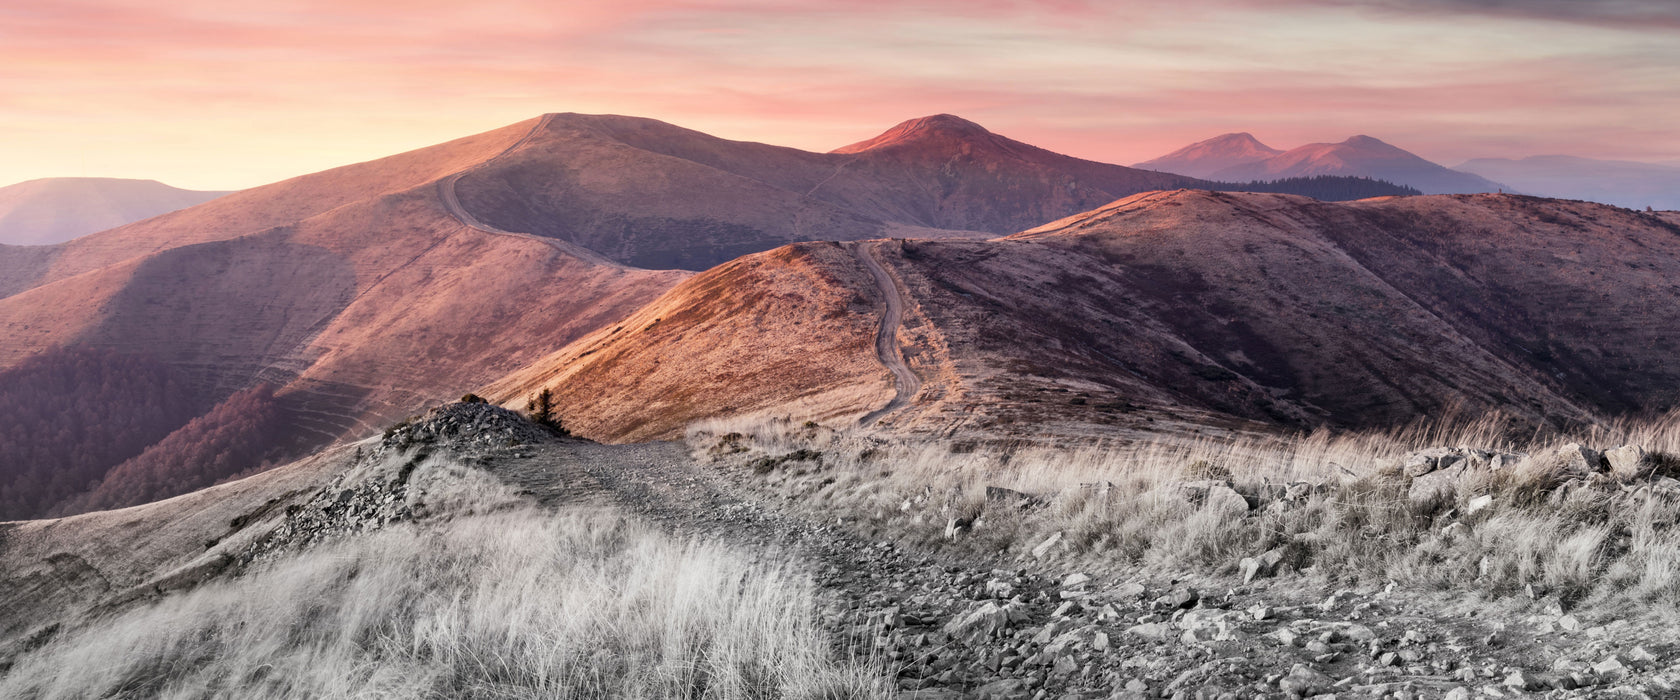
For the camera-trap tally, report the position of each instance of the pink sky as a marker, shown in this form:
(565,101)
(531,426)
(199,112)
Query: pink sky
(217,95)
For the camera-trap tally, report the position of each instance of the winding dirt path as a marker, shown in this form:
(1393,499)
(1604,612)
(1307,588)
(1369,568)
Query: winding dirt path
(905,382)
(452,202)
(446,186)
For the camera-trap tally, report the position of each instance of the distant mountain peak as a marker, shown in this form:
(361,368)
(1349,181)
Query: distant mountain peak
(938,127)
(1204,158)
(1240,138)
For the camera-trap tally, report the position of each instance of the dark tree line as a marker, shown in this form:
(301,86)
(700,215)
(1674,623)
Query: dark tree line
(69,415)
(1328,188)
(239,436)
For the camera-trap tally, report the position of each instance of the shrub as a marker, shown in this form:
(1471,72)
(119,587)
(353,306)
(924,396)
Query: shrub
(540,409)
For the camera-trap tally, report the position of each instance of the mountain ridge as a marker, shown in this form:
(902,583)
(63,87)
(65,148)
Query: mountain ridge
(1171,310)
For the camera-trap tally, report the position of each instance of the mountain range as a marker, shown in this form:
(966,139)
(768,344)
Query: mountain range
(1241,157)
(54,210)
(652,275)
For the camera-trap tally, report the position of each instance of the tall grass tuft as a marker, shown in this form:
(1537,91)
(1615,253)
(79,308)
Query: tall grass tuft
(514,605)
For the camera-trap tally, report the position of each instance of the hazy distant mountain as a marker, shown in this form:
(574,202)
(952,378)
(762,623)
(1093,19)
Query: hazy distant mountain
(1204,158)
(1361,156)
(1619,182)
(53,210)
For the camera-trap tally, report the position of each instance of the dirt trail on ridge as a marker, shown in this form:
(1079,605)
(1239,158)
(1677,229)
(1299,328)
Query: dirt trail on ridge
(905,382)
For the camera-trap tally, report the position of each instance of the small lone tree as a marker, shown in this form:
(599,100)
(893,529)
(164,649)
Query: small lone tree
(540,407)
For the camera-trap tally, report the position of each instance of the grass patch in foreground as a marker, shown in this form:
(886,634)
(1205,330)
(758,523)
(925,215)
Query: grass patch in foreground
(515,605)
(1337,508)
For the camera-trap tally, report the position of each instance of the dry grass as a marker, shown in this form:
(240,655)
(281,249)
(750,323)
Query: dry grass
(513,605)
(1350,520)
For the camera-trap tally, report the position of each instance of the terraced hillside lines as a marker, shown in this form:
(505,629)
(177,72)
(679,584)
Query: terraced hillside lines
(905,382)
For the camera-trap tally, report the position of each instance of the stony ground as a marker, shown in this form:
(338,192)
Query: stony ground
(962,628)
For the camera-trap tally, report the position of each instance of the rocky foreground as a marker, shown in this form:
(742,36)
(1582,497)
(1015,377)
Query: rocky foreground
(1036,622)
(1032,625)
(955,626)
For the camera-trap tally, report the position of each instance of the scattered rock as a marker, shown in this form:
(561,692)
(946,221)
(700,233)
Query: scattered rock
(1304,681)
(1626,462)
(1479,503)
(1518,680)
(956,526)
(1181,597)
(1423,462)
(1154,630)
(1006,689)
(1226,501)
(1128,591)
(1043,548)
(1437,484)
(1579,461)
(1261,566)
(985,621)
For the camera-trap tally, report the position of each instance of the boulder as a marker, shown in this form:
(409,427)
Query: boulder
(1304,681)
(1479,503)
(1260,566)
(999,588)
(1611,668)
(1436,484)
(1181,597)
(1152,630)
(1626,462)
(1423,462)
(1130,590)
(983,622)
(1044,547)
(1225,501)
(1576,460)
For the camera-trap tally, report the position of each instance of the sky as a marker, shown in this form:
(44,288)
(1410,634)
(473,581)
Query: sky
(210,94)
